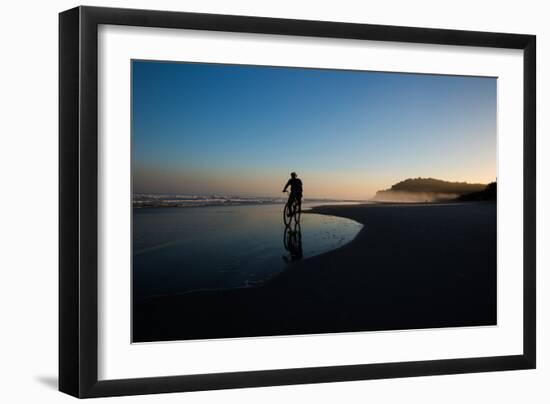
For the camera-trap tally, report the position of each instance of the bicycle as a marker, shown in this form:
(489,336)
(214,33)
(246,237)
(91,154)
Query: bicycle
(292,211)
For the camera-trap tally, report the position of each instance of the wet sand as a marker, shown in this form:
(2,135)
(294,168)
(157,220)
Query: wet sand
(411,266)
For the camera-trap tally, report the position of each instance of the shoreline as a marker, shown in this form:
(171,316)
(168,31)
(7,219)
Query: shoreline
(411,266)
(229,203)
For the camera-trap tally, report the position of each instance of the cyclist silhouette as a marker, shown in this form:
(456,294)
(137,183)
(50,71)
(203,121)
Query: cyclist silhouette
(295,185)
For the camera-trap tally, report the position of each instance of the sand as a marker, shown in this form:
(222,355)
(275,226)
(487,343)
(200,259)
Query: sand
(411,266)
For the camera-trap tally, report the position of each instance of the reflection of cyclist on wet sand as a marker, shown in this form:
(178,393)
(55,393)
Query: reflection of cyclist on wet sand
(295,185)
(293,244)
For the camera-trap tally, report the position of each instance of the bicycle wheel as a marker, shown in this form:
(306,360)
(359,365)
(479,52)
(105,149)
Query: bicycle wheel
(286,218)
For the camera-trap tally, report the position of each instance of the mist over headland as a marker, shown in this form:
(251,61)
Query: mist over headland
(428,190)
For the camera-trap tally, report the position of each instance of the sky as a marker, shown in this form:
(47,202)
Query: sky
(240,130)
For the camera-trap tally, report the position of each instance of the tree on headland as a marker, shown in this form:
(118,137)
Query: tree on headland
(435,185)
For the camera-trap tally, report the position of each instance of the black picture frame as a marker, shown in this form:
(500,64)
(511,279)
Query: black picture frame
(78,201)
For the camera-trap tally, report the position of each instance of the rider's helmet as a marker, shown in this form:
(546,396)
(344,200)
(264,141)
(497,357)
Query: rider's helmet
(293,174)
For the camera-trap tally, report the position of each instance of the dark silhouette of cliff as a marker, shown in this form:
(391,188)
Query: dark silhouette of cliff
(487,194)
(426,190)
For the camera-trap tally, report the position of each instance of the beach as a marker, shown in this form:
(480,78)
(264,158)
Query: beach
(411,266)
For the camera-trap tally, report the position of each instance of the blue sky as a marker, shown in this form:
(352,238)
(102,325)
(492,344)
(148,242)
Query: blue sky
(206,128)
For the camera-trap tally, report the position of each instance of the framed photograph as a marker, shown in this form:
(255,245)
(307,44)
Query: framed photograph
(251,201)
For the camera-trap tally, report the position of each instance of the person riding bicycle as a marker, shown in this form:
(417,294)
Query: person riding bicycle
(295,185)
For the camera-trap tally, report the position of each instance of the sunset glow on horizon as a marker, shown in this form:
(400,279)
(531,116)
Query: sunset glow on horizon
(240,130)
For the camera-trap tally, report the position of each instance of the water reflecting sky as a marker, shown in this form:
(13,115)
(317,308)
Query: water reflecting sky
(177,250)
